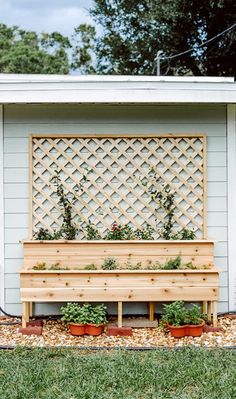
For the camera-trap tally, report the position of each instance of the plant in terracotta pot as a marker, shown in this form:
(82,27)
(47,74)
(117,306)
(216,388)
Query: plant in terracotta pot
(174,318)
(76,316)
(194,321)
(96,319)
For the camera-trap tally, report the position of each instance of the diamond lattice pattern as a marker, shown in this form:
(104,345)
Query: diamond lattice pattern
(114,191)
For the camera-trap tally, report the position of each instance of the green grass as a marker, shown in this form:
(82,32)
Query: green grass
(71,374)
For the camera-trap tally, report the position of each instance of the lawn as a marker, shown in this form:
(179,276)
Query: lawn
(71,374)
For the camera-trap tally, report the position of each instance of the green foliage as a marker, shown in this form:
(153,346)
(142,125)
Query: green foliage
(92,266)
(131,33)
(194,315)
(145,233)
(66,200)
(153,265)
(92,233)
(97,314)
(45,234)
(132,266)
(28,52)
(172,264)
(54,266)
(174,314)
(187,234)
(75,313)
(83,44)
(84,314)
(110,264)
(119,232)
(40,266)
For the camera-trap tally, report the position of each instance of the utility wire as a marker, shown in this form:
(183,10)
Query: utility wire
(201,45)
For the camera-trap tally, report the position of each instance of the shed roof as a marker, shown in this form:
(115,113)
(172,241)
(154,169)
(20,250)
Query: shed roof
(20,88)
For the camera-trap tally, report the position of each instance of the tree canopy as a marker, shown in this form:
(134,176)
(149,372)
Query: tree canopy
(129,35)
(27,52)
(133,31)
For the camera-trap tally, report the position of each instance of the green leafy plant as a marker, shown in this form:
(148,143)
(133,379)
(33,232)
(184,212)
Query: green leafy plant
(97,314)
(119,232)
(132,266)
(56,266)
(92,233)
(172,264)
(194,315)
(40,266)
(92,266)
(75,313)
(163,197)
(145,233)
(153,265)
(67,200)
(45,234)
(174,314)
(110,264)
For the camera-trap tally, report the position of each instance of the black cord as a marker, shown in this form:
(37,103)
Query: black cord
(8,314)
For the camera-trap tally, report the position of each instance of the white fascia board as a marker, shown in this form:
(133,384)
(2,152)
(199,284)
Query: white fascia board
(2,260)
(117,90)
(113,96)
(231,151)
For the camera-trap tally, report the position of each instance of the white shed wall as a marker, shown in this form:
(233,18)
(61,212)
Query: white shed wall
(22,120)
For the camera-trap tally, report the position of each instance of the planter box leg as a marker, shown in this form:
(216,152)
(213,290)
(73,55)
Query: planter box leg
(25,314)
(151,311)
(214,314)
(209,310)
(120,314)
(30,309)
(204,307)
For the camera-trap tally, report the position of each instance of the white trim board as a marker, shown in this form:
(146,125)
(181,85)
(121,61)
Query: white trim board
(2,276)
(231,144)
(116,89)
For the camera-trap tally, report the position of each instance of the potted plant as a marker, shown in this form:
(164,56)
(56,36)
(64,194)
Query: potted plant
(96,319)
(183,322)
(76,316)
(174,318)
(194,321)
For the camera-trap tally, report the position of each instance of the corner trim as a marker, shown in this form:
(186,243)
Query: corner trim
(2,266)
(231,150)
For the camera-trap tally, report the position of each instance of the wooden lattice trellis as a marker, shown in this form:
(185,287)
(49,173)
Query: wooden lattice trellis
(114,191)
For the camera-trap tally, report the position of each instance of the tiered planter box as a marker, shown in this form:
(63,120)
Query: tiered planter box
(79,285)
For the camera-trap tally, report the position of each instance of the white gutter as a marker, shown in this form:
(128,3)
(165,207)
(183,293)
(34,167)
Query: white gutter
(2,275)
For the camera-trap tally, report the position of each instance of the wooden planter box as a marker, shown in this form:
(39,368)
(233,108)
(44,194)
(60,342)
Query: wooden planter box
(79,285)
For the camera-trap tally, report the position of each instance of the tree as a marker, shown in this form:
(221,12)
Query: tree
(133,31)
(27,52)
(83,44)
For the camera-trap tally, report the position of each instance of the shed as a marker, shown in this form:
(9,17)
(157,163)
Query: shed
(44,106)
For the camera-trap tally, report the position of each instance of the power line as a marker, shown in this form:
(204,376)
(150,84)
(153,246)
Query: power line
(201,45)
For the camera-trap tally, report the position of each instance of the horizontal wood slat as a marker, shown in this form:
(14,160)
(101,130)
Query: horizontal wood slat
(111,294)
(78,254)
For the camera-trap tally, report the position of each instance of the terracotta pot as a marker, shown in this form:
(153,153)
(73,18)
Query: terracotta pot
(77,329)
(176,331)
(92,329)
(195,330)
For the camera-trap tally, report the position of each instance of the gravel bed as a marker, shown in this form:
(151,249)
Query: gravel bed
(56,334)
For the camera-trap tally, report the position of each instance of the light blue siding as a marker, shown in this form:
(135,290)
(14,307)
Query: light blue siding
(22,120)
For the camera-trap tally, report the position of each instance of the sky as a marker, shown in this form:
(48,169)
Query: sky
(45,15)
